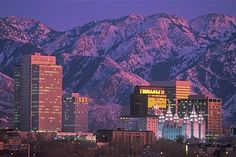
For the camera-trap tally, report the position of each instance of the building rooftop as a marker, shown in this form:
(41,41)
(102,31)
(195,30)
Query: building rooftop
(133,116)
(120,130)
(169,83)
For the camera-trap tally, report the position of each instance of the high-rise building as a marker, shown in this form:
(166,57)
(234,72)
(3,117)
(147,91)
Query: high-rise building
(146,99)
(38,93)
(75,113)
(17,97)
(174,90)
(210,108)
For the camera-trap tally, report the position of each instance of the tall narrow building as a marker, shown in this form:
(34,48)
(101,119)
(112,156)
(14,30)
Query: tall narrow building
(75,113)
(38,94)
(17,97)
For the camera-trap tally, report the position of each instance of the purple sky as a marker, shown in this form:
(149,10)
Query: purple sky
(65,14)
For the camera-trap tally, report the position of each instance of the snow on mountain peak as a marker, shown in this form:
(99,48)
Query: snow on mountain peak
(216,26)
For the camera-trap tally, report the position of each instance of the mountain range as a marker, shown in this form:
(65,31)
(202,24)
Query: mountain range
(105,59)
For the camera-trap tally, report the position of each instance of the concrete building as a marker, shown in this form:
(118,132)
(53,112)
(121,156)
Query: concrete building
(146,99)
(134,123)
(130,138)
(75,113)
(210,109)
(38,94)
(76,135)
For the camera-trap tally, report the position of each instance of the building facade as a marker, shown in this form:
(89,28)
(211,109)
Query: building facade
(17,97)
(131,138)
(167,125)
(174,90)
(210,109)
(38,94)
(75,113)
(134,123)
(145,99)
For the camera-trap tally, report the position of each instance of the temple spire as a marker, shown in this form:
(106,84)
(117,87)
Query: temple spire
(193,115)
(169,115)
(193,109)
(176,117)
(200,117)
(186,117)
(161,117)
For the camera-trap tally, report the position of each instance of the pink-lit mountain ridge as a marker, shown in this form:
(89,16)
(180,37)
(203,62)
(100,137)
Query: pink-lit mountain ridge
(105,59)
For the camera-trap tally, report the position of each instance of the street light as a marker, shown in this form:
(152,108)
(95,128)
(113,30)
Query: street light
(28,150)
(161,153)
(186,149)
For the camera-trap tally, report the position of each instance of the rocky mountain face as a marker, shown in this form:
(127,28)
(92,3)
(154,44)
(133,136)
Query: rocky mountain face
(106,59)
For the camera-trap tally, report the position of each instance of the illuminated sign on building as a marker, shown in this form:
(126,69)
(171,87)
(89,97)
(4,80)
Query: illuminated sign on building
(145,98)
(151,91)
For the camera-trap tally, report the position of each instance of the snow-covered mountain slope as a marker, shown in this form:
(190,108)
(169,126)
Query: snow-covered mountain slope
(26,30)
(215,26)
(105,59)
(100,78)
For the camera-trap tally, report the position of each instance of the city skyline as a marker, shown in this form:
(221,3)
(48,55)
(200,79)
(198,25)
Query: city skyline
(38,96)
(38,79)
(133,53)
(117,78)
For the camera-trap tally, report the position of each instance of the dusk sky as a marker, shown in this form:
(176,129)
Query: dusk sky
(65,14)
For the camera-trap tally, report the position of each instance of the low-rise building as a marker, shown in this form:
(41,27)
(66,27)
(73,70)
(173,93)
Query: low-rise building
(131,138)
(135,123)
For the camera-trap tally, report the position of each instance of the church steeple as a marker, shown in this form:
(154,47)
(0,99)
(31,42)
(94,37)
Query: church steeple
(169,115)
(176,116)
(200,117)
(186,117)
(161,117)
(193,115)
(193,109)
